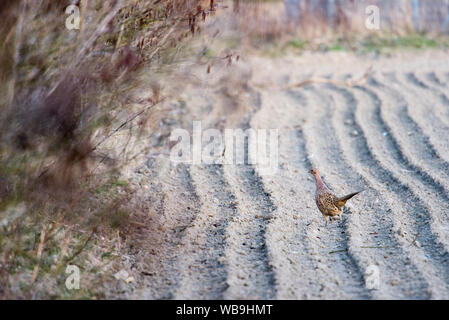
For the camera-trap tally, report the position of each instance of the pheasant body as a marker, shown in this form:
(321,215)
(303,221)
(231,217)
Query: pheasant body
(328,203)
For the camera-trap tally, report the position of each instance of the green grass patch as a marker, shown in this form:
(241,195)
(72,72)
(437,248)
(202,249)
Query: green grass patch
(113,184)
(296,44)
(371,44)
(415,41)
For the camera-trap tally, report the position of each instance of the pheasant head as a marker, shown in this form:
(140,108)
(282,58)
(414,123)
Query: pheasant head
(319,183)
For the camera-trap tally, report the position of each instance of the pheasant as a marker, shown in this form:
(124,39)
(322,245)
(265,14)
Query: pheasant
(329,204)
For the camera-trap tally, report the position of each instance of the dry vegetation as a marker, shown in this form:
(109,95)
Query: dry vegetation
(274,26)
(63,94)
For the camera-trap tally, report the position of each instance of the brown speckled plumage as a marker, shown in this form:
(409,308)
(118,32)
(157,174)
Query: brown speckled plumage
(329,204)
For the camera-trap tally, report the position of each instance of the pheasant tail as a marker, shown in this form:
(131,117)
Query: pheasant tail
(342,200)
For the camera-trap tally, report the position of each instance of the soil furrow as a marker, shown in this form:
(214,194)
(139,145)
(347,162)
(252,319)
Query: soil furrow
(238,232)
(436,79)
(369,229)
(435,97)
(405,126)
(422,113)
(415,158)
(317,128)
(250,271)
(250,275)
(242,250)
(294,263)
(170,215)
(411,216)
(203,266)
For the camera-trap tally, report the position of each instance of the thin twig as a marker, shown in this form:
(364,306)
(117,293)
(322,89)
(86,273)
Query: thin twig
(414,240)
(161,43)
(346,83)
(376,247)
(17,51)
(40,248)
(337,251)
(82,247)
(89,43)
(134,116)
(65,245)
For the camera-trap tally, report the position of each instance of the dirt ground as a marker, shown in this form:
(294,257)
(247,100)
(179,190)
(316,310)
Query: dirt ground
(230,232)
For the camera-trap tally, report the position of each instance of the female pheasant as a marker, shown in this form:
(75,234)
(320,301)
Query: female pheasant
(329,204)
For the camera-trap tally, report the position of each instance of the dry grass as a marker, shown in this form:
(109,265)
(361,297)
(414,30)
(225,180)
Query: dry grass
(63,94)
(322,21)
